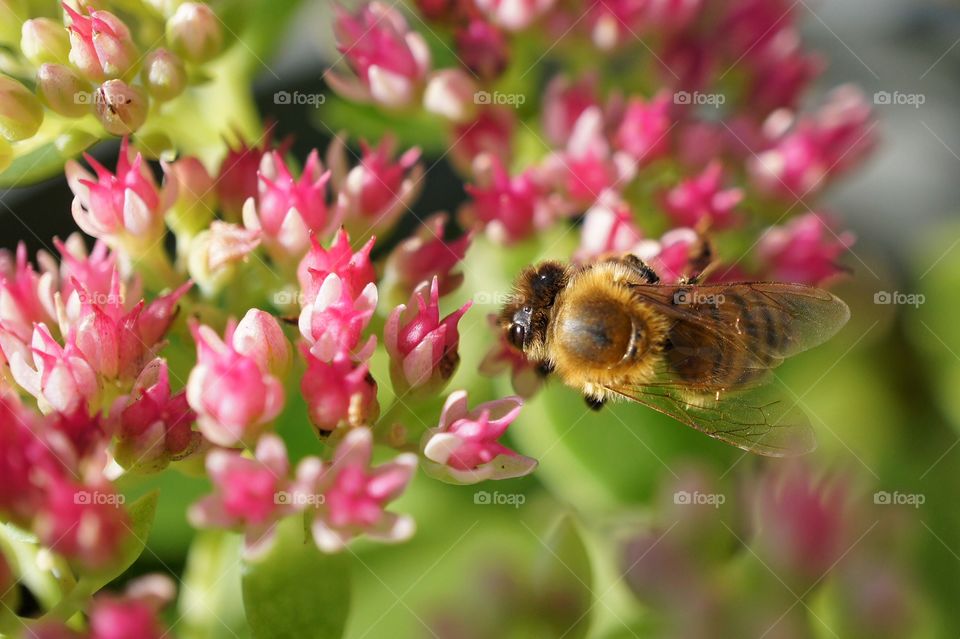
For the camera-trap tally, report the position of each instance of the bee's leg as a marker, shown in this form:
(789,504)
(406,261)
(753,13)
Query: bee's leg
(544,368)
(595,403)
(644,272)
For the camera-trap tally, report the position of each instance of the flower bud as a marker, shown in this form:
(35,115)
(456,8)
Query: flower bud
(44,40)
(339,393)
(215,252)
(194,32)
(196,196)
(121,108)
(101,46)
(12,14)
(72,143)
(450,93)
(259,336)
(164,75)
(21,113)
(63,91)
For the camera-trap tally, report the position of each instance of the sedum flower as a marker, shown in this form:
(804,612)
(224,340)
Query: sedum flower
(164,75)
(233,392)
(489,133)
(120,107)
(354,268)
(804,250)
(390,61)
(339,393)
(333,321)
(608,229)
(450,94)
(673,256)
(252,495)
(355,495)
(514,15)
(425,255)
(702,200)
(60,88)
(483,48)
(237,180)
(101,46)
(644,130)
(464,448)
(152,424)
(510,209)
(423,347)
(259,335)
(373,195)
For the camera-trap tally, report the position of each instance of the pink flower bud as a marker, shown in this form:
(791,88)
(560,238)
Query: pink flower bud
(124,618)
(233,396)
(101,46)
(422,347)
(237,180)
(426,255)
(374,194)
(332,322)
(121,108)
(464,449)
(216,252)
(701,200)
(509,208)
(390,61)
(154,426)
(194,32)
(514,15)
(84,522)
(122,205)
(355,495)
(63,91)
(164,75)
(339,393)
(289,209)
(644,130)
(563,104)
(44,40)
(252,495)
(451,94)
(21,113)
(259,335)
(805,250)
(489,133)
(354,269)
(22,301)
(483,48)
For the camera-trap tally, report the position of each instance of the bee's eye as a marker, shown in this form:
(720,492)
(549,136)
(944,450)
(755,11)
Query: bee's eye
(515,335)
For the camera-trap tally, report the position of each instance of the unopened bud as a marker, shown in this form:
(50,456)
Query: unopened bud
(44,40)
(100,45)
(21,113)
(72,143)
(450,94)
(164,75)
(121,108)
(194,32)
(216,252)
(12,15)
(63,91)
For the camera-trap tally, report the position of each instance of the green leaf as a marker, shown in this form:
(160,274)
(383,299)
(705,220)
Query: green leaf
(562,578)
(294,591)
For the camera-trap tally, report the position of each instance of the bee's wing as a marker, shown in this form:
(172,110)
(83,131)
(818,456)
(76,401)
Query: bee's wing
(718,330)
(760,419)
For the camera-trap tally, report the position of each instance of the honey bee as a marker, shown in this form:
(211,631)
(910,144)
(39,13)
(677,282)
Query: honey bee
(701,354)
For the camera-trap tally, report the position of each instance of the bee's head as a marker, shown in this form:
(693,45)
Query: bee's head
(525,318)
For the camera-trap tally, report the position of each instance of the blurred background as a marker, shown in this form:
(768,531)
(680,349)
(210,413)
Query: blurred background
(633,526)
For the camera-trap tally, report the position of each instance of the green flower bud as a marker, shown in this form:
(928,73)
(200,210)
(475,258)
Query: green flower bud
(62,90)
(193,32)
(44,40)
(21,113)
(73,143)
(164,75)
(121,108)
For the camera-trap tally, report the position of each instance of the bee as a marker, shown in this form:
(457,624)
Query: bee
(701,354)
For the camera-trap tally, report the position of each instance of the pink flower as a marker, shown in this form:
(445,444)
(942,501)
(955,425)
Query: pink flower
(801,522)
(60,377)
(153,425)
(252,495)
(644,131)
(374,194)
(805,250)
(464,448)
(608,229)
(21,303)
(390,61)
(233,392)
(260,337)
(563,104)
(289,209)
(612,22)
(355,495)
(132,616)
(95,270)
(490,132)
(422,347)
(425,255)
(509,208)
(354,268)
(238,181)
(84,522)
(339,393)
(482,48)
(216,252)
(672,255)
(333,322)
(100,45)
(702,200)
(514,15)
(121,207)
(502,356)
